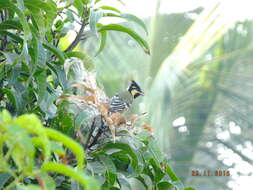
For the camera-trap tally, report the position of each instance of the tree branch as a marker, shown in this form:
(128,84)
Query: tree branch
(77,39)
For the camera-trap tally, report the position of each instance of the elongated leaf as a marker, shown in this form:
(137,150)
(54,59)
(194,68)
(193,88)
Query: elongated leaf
(21,147)
(38,53)
(126,148)
(12,35)
(159,174)
(131,18)
(170,172)
(10,24)
(94,18)
(146,180)
(164,185)
(81,117)
(55,51)
(87,182)
(27,187)
(124,182)
(61,75)
(43,13)
(47,104)
(69,143)
(23,21)
(108,164)
(155,151)
(102,42)
(33,125)
(121,1)
(42,85)
(11,58)
(77,54)
(4,177)
(110,8)
(78,4)
(14,98)
(133,34)
(135,19)
(189,188)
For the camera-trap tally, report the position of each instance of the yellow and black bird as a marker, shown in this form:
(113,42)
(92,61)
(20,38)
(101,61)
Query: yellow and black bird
(122,101)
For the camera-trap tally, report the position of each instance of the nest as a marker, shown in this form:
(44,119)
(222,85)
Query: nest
(100,127)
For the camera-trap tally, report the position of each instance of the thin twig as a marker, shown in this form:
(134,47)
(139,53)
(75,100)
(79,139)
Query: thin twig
(40,181)
(77,39)
(93,126)
(80,33)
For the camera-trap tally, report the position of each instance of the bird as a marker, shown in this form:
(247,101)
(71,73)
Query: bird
(121,102)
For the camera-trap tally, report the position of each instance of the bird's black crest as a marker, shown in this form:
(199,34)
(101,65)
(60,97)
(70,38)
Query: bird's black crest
(135,86)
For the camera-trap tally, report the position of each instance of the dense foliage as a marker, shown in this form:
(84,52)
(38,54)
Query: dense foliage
(37,76)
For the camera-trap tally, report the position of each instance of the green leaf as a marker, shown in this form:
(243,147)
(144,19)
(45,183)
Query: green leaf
(102,42)
(11,58)
(43,13)
(170,172)
(121,1)
(81,117)
(133,34)
(114,188)
(69,143)
(93,20)
(47,105)
(15,37)
(4,177)
(87,182)
(189,188)
(32,124)
(164,185)
(14,98)
(78,4)
(39,54)
(61,75)
(158,173)
(5,116)
(130,18)
(146,180)
(48,180)
(10,25)
(96,167)
(124,147)
(28,187)
(123,182)
(155,151)
(22,18)
(42,85)
(110,8)
(77,54)
(58,53)
(108,163)
(22,149)
(135,19)
(178,184)
(110,178)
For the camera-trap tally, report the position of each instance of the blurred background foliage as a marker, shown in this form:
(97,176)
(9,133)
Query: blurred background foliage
(198,87)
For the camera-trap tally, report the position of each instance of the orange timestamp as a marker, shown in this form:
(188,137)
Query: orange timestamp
(208,173)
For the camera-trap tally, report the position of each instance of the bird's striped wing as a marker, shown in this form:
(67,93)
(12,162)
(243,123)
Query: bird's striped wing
(117,105)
